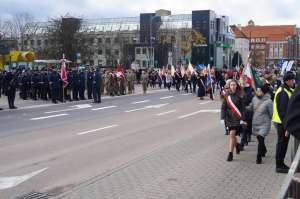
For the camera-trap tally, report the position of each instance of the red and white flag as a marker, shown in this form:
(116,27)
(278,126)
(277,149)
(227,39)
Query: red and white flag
(63,71)
(248,73)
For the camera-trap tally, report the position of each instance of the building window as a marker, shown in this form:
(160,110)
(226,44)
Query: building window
(46,42)
(99,40)
(144,63)
(107,52)
(91,41)
(100,52)
(138,51)
(138,62)
(32,42)
(144,51)
(39,42)
(107,40)
(25,42)
(116,40)
(117,52)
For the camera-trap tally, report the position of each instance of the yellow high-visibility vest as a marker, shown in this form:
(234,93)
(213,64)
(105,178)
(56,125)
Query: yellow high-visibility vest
(276,117)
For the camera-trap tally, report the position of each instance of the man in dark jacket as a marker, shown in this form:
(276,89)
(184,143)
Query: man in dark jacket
(281,101)
(54,86)
(90,83)
(10,88)
(291,123)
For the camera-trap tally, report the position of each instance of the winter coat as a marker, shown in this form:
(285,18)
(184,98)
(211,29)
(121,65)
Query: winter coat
(227,114)
(292,119)
(262,115)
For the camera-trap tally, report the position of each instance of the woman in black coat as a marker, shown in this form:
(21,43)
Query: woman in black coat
(232,112)
(201,86)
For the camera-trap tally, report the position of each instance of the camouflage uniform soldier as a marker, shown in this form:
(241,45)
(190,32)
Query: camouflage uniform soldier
(130,82)
(145,80)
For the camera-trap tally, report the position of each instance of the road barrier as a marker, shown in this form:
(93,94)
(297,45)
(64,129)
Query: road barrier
(291,185)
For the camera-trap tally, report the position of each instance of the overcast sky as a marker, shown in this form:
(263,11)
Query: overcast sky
(263,12)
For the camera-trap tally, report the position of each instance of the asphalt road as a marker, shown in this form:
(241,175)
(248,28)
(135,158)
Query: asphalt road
(54,149)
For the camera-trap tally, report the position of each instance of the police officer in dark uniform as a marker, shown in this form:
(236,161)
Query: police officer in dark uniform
(54,85)
(10,88)
(75,80)
(90,84)
(81,85)
(34,85)
(97,86)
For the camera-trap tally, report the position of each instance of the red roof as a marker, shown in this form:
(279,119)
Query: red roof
(272,33)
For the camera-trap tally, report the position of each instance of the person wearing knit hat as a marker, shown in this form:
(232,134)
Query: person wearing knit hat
(262,107)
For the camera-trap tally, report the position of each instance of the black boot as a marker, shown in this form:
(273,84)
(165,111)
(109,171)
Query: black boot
(230,157)
(238,148)
(258,160)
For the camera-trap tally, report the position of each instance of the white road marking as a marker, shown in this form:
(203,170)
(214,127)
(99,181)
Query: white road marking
(202,103)
(197,112)
(50,116)
(157,105)
(139,102)
(9,182)
(147,107)
(99,129)
(166,113)
(186,94)
(76,107)
(167,97)
(138,109)
(101,108)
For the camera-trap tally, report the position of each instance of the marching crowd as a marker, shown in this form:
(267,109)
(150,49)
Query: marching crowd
(92,83)
(250,109)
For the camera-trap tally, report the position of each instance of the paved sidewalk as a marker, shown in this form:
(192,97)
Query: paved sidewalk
(27,104)
(187,170)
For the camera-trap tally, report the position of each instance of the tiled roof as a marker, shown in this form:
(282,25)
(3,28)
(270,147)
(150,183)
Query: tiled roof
(273,33)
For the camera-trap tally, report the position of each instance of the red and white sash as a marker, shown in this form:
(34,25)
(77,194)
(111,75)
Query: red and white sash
(233,107)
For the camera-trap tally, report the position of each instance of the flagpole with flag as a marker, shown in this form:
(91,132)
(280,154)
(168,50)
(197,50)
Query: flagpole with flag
(209,78)
(63,75)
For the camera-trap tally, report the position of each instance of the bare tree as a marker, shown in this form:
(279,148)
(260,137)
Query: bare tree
(18,25)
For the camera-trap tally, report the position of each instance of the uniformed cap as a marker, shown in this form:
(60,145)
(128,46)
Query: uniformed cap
(288,76)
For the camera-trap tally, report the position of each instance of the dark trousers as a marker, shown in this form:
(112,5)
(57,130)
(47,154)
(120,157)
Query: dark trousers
(282,145)
(178,86)
(54,94)
(261,147)
(34,93)
(81,93)
(89,91)
(97,95)
(75,93)
(11,99)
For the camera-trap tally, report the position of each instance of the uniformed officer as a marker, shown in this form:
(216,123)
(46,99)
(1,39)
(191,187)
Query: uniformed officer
(81,83)
(97,86)
(145,80)
(54,85)
(75,85)
(90,84)
(281,101)
(10,86)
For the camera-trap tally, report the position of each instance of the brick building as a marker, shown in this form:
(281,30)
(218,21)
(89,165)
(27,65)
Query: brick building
(269,44)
